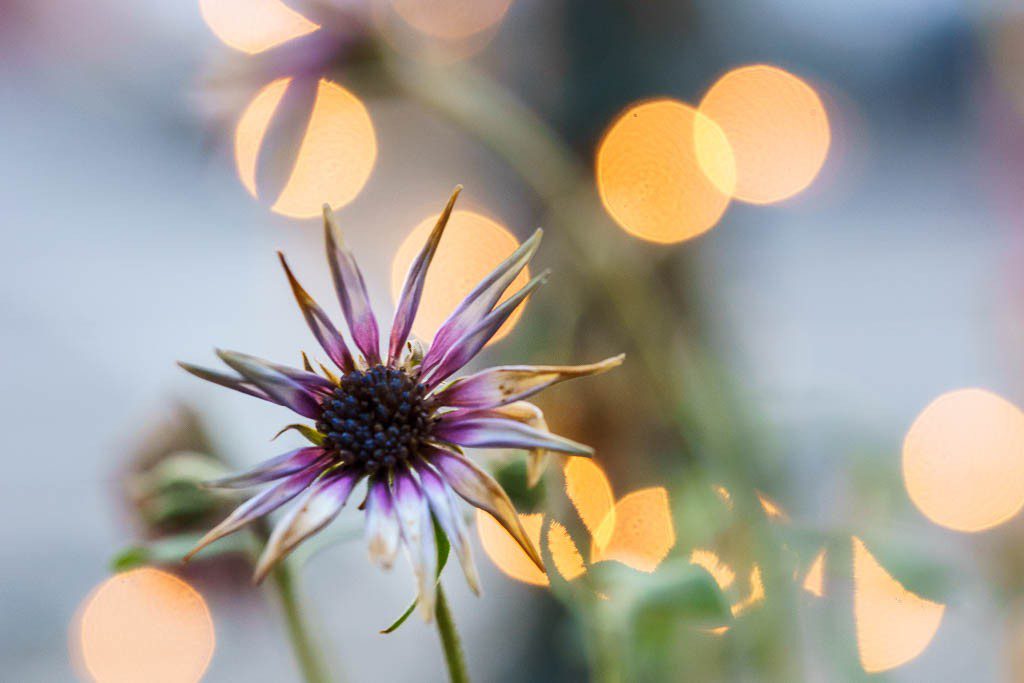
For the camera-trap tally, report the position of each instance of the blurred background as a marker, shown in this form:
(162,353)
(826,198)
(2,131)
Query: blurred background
(801,222)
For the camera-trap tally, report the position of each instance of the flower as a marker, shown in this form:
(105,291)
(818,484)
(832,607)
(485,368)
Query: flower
(399,421)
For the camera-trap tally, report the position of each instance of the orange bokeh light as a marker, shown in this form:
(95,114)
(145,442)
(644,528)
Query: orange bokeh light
(564,552)
(144,625)
(722,573)
(814,581)
(772,509)
(334,160)
(252,128)
(963,460)
(755,596)
(451,19)
(641,531)
(591,494)
(505,553)
(471,247)
(893,625)
(777,128)
(253,26)
(649,176)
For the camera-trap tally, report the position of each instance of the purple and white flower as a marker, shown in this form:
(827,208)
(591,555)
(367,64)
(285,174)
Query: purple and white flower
(398,420)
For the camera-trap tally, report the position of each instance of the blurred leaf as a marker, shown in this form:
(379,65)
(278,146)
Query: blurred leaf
(443,550)
(682,591)
(512,477)
(171,549)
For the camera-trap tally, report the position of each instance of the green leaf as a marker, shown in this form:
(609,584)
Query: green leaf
(683,591)
(313,436)
(130,558)
(170,549)
(443,550)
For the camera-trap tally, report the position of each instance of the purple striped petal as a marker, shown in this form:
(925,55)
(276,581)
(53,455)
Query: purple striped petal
(261,504)
(478,429)
(442,503)
(269,470)
(351,288)
(321,326)
(502,385)
(469,344)
(480,301)
(281,388)
(316,509)
(382,533)
(412,290)
(481,490)
(313,382)
(418,536)
(225,380)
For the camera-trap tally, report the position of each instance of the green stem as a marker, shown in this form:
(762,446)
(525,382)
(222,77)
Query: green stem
(453,655)
(310,661)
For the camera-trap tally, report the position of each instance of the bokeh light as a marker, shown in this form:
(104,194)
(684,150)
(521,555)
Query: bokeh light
(505,553)
(814,580)
(772,509)
(253,26)
(649,176)
(588,488)
(893,625)
(777,128)
(334,159)
(722,573)
(755,594)
(471,247)
(336,155)
(451,19)
(144,625)
(963,460)
(641,532)
(252,128)
(564,552)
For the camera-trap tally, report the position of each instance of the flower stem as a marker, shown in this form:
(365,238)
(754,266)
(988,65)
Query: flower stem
(453,655)
(310,661)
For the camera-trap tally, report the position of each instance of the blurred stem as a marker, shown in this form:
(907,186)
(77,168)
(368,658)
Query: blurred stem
(310,661)
(307,654)
(453,655)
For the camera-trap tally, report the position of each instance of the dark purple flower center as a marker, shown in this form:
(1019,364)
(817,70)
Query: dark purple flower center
(376,418)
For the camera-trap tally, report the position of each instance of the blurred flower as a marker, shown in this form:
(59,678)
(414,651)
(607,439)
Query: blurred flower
(163,483)
(397,421)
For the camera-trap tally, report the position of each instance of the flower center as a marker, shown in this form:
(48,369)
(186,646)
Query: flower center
(379,416)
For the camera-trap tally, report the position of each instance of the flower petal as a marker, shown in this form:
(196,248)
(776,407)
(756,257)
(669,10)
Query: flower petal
(469,344)
(382,532)
(316,509)
(264,502)
(442,503)
(478,429)
(281,388)
(479,302)
(481,490)
(412,290)
(269,470)
(321,326)
(310,381)
(528,414)
(226,380)
(351,288)
(418,535)
(506,384)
